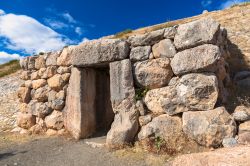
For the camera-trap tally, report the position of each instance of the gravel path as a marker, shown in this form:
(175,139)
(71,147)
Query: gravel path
(8,101)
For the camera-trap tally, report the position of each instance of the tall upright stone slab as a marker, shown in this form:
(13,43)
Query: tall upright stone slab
(125,125)
(79,114)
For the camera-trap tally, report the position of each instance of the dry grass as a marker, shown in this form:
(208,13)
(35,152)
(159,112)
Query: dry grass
(9,68)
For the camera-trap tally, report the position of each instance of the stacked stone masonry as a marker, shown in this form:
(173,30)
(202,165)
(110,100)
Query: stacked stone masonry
(166,83)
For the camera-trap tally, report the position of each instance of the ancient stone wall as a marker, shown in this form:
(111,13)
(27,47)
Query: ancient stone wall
(166,83)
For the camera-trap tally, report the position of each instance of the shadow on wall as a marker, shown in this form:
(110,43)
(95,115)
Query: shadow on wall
(238,94)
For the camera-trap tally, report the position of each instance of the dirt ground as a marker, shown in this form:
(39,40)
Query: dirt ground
(64,151)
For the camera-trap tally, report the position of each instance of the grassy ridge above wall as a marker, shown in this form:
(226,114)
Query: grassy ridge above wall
(9,68)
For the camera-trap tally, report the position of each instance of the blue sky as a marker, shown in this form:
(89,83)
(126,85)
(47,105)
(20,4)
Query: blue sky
(32,26)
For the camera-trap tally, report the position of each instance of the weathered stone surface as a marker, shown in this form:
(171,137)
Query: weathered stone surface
(34,76)
(41,94)
(38,83)
(241,113)
(61,95)
(101,51)
(24,63)
(140,53)
(23,108)
(65,58)
(143,120)
(170,32)
(140,107)
(25,75)
(26,120)
(66,77)
(24,94)
(165,48)
(56,82)
(57,104)
(124,128)
(40,62)
(39,109)
(121,85)
(167,127)
(49,72)
(229,142)
(79,117)
(209,128)
(222,157)
(191,92)
(198,59)
(54,120)
(31,62)
(51,95)
(146,39)
(203,31)
(52,58)
(41,72)
(154,73)
(63,70)
(244,127)
(244,138)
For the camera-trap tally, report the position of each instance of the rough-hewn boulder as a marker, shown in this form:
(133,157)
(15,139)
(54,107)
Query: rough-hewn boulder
(244,127)
(41,94)
(40,62)
(241,113)
(209,128)
(24,94)
(140,53)
(24,63)
(56,82)
(63,69)
(39,109)
(57,104)
(101,51)
(191,92)
(198,59)
(49,72)
(25,75)
(153,73)
(196,33)
(146,39)
(65,58)
(34,76)
(38,83)
(54,120)
(170,33)
(26,120)
(52,58)
(143,120)
(31,62)
(164,126)
(165,48)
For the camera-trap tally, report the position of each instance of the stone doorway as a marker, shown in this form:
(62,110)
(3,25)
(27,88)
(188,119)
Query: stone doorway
(89,110)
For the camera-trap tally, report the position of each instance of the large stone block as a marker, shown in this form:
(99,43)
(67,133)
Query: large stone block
(165,48)
(98,52)
(40,62)
(54,120)
(65,58)
(164,126)
(203,58)
(79,113)
(140,53)
(56,82)
(147,39)
(52,58)
(154,73)
(121,85)
(24,94)
(209,128)
(125,125)
(26,120)
(203,31)
(190,92)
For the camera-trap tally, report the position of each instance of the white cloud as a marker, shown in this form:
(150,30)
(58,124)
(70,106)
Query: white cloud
(84,40)
(68,17)
(206,3)
(1,12)
(229,3)
(78,30)
(55,24)
(26,34)
(5,57)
